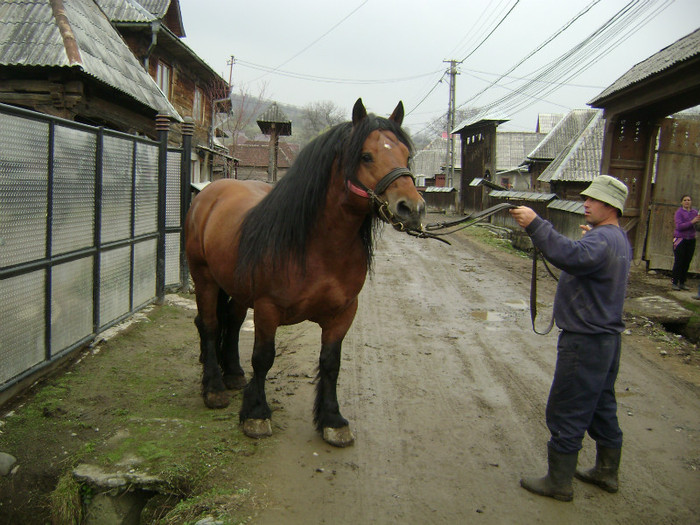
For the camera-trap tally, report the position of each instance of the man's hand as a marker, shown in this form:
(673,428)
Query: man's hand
(523,215)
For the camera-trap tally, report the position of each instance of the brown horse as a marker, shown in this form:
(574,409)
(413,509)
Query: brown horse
(298,251)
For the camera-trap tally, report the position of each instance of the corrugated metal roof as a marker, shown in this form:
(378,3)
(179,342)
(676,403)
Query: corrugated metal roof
(479,120)
(579,161)
(431,159)
(681,50)
(29,36)
(547,121)
(436,189)
(477,181)
(523,195)
(126,11)
(562,134)
(512,147)
(157,7)
(570,206)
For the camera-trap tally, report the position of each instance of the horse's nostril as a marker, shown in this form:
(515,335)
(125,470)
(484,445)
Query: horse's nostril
(403,209)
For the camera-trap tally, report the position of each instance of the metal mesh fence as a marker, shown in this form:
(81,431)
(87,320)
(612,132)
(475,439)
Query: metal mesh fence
(79,239)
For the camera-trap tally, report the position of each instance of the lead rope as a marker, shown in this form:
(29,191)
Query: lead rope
(533,292)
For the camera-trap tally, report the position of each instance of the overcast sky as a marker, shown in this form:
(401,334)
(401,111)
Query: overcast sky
(384,51)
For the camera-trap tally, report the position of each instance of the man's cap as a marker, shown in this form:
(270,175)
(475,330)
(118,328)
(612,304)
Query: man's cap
(609,190)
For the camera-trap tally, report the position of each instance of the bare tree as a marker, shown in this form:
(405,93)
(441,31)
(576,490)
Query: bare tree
(319,116)
(244,108)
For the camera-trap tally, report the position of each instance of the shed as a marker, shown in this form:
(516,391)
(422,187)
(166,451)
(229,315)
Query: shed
(440,199)
(534,200)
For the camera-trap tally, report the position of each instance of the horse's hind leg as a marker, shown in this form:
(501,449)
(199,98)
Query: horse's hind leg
(213,389)
(231,317)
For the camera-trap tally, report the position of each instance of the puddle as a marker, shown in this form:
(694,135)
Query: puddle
(484,315)
(517,305)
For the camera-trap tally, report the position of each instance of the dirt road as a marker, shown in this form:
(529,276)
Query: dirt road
(445,384)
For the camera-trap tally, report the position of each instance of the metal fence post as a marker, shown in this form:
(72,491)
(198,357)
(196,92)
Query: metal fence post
(187,128)
(162,127)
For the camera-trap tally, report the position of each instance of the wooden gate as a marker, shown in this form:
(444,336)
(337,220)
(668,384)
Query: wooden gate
(677,174)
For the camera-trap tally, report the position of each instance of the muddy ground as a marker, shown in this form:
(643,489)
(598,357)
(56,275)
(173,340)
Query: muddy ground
(442,379)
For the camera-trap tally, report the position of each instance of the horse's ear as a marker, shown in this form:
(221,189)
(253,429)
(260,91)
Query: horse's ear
(397,115)
(359,113)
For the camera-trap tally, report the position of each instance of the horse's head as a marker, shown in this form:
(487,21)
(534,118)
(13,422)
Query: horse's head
(379,168)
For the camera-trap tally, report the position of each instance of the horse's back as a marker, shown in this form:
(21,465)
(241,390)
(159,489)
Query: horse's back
(213,222)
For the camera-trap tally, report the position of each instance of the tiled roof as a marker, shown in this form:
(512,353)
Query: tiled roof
(512,147)
(84,39)
(256,153)
(562,134)
(579,161)
(681,50)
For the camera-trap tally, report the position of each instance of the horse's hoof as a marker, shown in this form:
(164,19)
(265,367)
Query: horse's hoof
(338,437)
(235,382)
(216,399)
(257,428)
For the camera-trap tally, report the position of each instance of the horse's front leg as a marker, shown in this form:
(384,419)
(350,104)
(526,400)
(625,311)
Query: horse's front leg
(327,417)
(255,412)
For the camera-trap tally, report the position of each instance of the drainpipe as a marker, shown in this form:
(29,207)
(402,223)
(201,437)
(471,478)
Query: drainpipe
(155,27)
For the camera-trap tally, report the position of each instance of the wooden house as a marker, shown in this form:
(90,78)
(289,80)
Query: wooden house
(64,58)
(153,30)
(253,157)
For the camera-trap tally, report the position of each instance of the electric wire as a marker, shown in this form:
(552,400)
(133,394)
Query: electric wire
(576,60)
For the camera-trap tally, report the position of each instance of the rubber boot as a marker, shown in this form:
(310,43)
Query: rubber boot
(557,483)
(604,474)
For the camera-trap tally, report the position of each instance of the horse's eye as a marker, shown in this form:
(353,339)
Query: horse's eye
(366,157)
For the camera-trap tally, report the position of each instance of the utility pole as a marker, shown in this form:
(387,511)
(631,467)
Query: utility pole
(230,70)
(450,157)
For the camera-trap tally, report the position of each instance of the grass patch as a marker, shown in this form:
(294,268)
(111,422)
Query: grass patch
(134,405)
(492,237)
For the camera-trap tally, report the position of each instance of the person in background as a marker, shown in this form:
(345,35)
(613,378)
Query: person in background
(588,309)
(683,242)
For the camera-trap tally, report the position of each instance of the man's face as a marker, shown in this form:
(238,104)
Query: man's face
(596,211)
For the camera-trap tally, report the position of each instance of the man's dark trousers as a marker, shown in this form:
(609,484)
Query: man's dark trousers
(582,396)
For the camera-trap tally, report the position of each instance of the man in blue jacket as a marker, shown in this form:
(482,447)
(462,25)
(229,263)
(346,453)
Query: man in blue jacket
(588,309)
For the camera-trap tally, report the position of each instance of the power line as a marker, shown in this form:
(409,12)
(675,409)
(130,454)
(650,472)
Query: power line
(571,63)
(319,38)
(331,80)
(492,31)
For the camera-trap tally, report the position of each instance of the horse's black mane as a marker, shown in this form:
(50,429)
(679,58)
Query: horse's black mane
(280,225)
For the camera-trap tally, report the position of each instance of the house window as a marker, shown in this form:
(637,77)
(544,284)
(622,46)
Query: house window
(164,76)
(198,106)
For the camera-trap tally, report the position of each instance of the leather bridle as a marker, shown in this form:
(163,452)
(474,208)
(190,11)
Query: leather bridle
(379,204)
